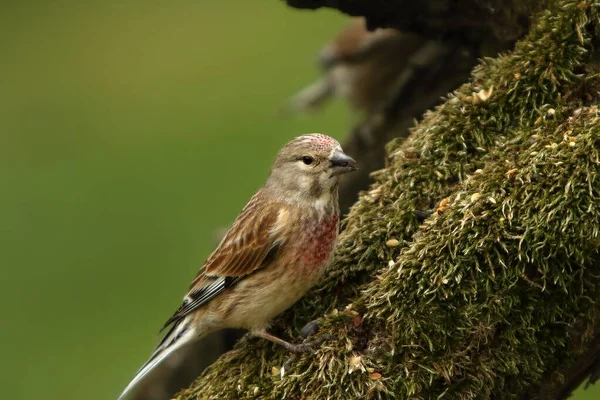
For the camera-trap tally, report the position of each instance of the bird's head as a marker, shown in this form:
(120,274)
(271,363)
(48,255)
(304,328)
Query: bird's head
(308,168)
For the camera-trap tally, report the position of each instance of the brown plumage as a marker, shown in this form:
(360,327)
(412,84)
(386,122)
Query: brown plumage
(366,68)
(275,251)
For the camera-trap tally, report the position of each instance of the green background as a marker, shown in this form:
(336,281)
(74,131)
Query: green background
(129,133)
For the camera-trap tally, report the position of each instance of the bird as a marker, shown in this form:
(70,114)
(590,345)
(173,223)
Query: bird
(365,68)
(275,251)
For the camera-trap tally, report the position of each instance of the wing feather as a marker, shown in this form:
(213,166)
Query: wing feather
(250,244)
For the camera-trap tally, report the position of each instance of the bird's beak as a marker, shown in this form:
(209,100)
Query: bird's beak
(341,163)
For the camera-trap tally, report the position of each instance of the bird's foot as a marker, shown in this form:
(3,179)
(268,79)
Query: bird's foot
(310,328)
(304,347)
(308,346)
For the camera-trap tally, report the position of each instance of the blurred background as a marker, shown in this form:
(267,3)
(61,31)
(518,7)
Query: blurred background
(130,132)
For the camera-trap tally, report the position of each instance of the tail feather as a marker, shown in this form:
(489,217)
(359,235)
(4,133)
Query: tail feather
(178,336)
(309,98)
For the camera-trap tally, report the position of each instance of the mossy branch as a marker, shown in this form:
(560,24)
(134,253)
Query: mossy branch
(497,295)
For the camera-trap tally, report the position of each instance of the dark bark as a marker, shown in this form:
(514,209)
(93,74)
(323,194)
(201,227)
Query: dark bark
(464,19)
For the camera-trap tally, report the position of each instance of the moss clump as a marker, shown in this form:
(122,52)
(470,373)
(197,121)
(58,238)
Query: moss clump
(497,295)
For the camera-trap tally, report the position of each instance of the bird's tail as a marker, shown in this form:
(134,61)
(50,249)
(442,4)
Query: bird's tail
(178,336)
(309,98)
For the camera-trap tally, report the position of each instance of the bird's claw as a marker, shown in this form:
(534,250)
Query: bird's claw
(301,348)
(309,346)
(305,347)
(310,328)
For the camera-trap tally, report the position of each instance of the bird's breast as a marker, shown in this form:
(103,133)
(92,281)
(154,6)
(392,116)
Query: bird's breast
(318,241)
(300,264)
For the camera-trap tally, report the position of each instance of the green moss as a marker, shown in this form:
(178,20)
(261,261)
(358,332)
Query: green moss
(494,295)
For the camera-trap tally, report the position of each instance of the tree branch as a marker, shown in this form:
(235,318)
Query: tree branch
(498,293)
(504,20)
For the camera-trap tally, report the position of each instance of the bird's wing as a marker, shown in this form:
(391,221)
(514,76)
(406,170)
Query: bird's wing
(250,244)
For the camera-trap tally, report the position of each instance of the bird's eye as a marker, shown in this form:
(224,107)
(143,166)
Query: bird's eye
(307,160)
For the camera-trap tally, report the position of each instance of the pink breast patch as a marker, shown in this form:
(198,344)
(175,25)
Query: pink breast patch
(320,239)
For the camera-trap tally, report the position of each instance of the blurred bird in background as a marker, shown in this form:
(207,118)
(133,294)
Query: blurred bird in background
(275,251)
(363,67)
(387,77)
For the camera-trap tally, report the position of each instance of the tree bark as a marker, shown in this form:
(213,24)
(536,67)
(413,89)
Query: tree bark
(497,294)
(471,19)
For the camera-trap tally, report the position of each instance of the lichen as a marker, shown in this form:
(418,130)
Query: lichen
(498,291)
